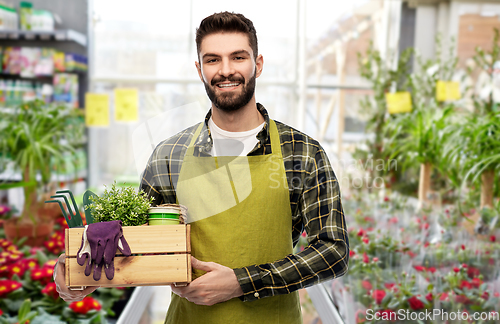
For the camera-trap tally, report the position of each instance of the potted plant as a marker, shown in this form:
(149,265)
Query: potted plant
(33,139)
(123,204)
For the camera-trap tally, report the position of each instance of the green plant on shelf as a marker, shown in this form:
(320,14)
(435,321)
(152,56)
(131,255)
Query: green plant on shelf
(33,136)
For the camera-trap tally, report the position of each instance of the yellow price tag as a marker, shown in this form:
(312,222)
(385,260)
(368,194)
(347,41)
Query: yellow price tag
(96,109)
(126,105)
(447,90)
(398,102)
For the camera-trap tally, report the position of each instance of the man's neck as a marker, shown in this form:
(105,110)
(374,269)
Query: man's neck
(241,120)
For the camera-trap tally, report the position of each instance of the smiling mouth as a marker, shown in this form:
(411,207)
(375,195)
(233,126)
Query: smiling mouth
(228,85)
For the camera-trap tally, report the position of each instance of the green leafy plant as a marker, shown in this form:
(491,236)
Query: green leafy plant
(123,204)
(33,137)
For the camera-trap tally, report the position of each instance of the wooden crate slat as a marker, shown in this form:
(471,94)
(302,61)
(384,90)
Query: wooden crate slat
(134,271)
(141,239)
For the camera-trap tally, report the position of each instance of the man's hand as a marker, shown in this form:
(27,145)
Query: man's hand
(216,286)
(64,292)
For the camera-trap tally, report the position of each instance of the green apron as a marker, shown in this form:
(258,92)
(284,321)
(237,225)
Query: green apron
(239,211)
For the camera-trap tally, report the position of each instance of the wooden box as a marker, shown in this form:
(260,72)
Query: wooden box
(161,255)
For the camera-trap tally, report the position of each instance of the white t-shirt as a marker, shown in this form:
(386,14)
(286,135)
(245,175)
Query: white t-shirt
(233,143)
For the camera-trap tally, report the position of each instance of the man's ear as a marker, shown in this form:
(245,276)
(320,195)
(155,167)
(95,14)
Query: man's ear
(259,65)
(198,67)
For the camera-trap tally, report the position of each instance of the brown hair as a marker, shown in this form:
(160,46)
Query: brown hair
(227,22)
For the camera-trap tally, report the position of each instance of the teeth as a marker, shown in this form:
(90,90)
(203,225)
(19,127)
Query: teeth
(228,85)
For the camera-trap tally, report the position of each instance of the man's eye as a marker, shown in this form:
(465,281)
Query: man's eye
(212,61)
(239,58)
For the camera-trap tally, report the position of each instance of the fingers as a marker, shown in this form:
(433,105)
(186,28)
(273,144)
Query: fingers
(60,280)
(200,265)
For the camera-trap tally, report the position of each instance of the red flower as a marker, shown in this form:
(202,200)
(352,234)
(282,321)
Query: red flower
(44,275)
(444,296)
(361,232)
(366,240)
(456,269)
(426,226)
(366,259)
(462,299)
(386,198)
(378,295)
(431,269)
(389,285)
(429,297)
(415,303)
(4,243)
(366,284)
(84,306)
(419,268)
(464,265)
(485,295)
(473,272)
(17,268)
(426,244)
(465,284)
(493,238)
(50,290)
(351,253)
(6,286)
(476,282)
(462,247)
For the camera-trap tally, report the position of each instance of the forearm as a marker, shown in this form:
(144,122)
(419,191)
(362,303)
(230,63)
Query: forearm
(318,262)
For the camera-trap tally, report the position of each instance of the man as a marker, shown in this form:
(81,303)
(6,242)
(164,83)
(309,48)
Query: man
(251,185)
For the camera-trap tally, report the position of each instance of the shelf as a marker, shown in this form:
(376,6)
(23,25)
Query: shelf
(57,35)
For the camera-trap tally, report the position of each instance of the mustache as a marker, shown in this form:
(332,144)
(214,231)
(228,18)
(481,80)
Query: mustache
(230,79)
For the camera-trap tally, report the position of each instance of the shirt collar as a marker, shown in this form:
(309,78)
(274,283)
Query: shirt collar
(204,142)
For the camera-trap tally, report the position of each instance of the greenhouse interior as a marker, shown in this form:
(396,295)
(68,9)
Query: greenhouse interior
(392,106)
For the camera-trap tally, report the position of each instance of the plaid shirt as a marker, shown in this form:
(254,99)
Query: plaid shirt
(314,200)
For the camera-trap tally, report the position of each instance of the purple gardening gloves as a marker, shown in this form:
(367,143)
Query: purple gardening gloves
(99,244)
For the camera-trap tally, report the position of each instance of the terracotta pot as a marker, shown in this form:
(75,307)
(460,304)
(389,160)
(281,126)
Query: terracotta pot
(36,234)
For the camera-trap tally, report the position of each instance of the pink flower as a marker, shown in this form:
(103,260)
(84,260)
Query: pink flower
(386,198)
(366,240)
(366,285)
(375,259)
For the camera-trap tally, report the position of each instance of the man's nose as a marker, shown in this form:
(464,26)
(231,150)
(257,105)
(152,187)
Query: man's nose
(226,68)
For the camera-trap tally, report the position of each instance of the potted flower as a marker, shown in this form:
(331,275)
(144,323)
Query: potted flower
(33,139)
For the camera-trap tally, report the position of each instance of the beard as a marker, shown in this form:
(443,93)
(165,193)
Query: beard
(230,101)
